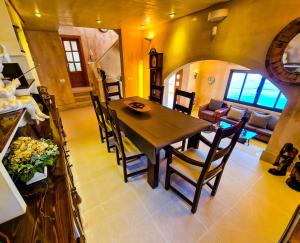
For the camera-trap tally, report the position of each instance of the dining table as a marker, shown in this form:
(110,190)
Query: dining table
(151,131)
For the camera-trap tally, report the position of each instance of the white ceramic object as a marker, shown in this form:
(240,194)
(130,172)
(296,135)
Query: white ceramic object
(38,176)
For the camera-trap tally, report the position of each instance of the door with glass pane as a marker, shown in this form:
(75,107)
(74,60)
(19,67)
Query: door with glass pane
(75,61)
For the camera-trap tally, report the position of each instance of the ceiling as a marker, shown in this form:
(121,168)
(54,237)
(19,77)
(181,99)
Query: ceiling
(113,14)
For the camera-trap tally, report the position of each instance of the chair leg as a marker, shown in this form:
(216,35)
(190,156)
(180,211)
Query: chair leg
(169,170)
(216,184)
(183,145)
(101,135)
(125,170)
(107,142)
(168,177)
(196,199)
(118,156)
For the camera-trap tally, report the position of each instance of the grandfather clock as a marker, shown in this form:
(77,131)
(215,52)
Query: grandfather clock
(156,65)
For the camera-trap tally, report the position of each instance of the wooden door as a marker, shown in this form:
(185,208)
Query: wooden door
(75,61)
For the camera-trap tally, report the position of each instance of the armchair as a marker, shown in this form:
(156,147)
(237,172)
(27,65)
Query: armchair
(212,115)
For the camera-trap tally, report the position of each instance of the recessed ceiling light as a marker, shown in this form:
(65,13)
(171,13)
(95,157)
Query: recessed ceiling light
(172,15)
(98,21)
(37,14)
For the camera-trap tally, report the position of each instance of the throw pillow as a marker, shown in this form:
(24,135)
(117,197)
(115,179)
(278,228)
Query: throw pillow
(259,119)
(236,113)
(272,122)
(215,104)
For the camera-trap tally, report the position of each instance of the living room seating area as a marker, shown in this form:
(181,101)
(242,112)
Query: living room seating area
(260,122)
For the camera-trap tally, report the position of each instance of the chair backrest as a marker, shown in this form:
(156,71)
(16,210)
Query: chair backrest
(156,93)
(189,96)
(223,154)
(110,89)
(98,111)
(112,114)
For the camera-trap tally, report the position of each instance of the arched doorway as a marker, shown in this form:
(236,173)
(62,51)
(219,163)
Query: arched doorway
(231,83)
(214,79)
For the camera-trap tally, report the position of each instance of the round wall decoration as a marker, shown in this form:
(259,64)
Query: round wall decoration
(211,80)
(283,57)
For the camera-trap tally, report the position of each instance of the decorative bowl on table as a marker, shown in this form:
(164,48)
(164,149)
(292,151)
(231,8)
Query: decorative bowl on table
(137,106)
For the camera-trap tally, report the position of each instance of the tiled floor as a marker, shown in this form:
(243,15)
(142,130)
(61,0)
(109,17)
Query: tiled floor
(250,206)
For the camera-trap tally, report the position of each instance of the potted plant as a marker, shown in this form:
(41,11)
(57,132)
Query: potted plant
(28,158)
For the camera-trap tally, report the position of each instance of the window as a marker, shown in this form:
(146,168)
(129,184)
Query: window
(252,89)
(72,55)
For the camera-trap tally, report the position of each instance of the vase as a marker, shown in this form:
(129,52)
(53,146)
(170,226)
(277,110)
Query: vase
(38,176)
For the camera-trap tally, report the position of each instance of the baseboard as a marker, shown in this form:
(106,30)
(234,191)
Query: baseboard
(268,156)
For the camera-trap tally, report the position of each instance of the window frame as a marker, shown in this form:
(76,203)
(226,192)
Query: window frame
(258,93)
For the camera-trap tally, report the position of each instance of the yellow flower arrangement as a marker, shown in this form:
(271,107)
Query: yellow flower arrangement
(29,156)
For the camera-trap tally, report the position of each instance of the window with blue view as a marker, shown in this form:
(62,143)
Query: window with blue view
(253,89)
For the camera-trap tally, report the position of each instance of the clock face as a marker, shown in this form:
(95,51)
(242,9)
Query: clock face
(153,61)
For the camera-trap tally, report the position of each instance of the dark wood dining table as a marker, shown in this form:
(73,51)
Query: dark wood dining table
(153,130)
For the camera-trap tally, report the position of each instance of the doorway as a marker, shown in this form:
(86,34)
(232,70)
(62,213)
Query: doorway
(75,61)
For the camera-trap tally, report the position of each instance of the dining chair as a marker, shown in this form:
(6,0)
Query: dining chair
(111,89)
(180,97)
(198,168)
(105,130)
(156,93)
(126,151)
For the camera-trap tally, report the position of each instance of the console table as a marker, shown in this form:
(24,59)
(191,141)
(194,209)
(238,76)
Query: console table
(52,213)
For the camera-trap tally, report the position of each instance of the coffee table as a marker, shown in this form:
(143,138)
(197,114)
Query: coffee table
(245,136)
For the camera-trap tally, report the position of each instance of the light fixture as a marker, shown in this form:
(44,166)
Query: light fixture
(142,26)
(38,14)
(172,15)
(177,76)
(98,21)
(195,74)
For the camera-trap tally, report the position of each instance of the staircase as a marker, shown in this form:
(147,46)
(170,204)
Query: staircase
(82,99)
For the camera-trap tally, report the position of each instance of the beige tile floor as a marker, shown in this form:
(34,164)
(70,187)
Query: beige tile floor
(250,205)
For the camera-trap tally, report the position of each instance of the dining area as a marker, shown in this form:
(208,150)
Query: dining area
(115,211)
(135,127)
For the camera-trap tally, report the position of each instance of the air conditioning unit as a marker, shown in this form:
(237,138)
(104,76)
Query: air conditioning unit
(218,15)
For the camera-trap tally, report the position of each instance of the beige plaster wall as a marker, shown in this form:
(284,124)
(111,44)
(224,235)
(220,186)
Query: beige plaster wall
(7,34)
(211,68)
(133,47)
(8,18)
(243,38)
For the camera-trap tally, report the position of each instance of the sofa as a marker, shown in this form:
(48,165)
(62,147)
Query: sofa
(264,131)
(213,110)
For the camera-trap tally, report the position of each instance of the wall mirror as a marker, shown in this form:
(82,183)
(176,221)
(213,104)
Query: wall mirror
(283,58)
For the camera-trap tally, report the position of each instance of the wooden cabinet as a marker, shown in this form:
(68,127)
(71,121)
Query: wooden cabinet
(52,213)
(156,66)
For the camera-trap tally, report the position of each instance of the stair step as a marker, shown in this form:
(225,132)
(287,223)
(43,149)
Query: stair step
(75,105)
(85,93)
(82,98)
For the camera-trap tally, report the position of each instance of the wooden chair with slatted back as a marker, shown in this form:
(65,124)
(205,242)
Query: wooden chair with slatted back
(126,151)
(186,97)
(106,133)
(156,93)
(199,168)
(112,90)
